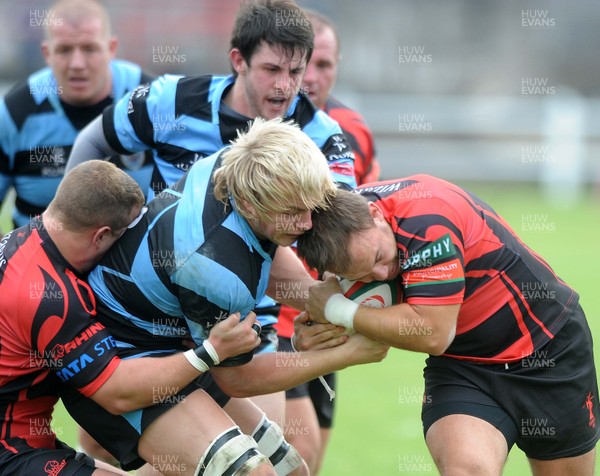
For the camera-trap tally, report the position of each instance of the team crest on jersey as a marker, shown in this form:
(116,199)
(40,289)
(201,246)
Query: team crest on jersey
(336,148)
(137,93)
(338,142)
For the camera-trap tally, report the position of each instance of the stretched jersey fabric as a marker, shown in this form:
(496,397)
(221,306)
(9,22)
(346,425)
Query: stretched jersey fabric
(189,263)
(48,336)
(455,249)
(366,167)
(37,132)
(183,119)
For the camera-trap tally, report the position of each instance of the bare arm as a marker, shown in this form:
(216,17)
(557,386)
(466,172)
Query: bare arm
(289,280)
(90,144)
(135,382)
(428,329)
(272,372)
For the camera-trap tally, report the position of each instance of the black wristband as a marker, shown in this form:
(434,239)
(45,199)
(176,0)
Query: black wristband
(203,355)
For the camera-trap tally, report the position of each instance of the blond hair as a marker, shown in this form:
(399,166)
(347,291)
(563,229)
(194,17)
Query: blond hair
(272,167)
(93,194)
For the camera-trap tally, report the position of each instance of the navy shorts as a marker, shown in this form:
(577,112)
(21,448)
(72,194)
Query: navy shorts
(324,405)
(18,458)
(545,403)
(120,434)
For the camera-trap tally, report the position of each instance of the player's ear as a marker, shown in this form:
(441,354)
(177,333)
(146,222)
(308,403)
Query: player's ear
(101,235)
(238,62)
(250,210)
(375,212)
(45,50)
(113,43)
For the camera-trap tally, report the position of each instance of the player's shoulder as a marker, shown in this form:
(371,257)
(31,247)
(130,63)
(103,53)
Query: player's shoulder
(198,86)
(334,103)
(200,96)
(126,76)
(343,113)
(307,115)
(30,97)
(22,251)
(125,65)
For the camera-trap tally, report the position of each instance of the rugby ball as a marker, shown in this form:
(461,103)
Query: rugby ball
(376,294)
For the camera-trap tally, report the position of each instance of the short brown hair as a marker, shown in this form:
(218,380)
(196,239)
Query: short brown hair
(325,246)
(94,194)
(279,23)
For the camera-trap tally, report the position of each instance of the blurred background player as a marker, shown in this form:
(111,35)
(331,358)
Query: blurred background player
(40,117)
(309,407)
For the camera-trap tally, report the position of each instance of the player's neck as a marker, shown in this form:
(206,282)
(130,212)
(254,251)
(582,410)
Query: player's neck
(236,99)
(75,247)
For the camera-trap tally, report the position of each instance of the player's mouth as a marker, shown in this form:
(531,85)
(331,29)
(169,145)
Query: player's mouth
(279,104)
(78,82)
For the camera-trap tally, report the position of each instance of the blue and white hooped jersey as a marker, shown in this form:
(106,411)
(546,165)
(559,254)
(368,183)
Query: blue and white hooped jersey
(190,262)
(37,133)
(182,119)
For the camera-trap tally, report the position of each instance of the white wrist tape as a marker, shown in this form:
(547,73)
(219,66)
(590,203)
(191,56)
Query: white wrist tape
(196,361)
(340,310)
(211,351)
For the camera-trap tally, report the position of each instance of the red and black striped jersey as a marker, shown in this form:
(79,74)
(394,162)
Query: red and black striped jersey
(48,335)
(455,249)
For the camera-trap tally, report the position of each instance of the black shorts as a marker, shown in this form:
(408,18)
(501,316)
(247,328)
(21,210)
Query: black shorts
(18,458)
(546,403)
(120,434)
(324,405)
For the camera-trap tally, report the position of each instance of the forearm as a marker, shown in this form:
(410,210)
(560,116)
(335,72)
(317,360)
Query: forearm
(90,144)
(273,372)
(137,383)
(428,329)
(289,280)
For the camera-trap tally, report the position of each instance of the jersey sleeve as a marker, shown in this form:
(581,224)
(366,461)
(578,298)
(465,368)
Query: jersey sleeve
(65,337)
(360,137)
(431,253)
(134,123)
